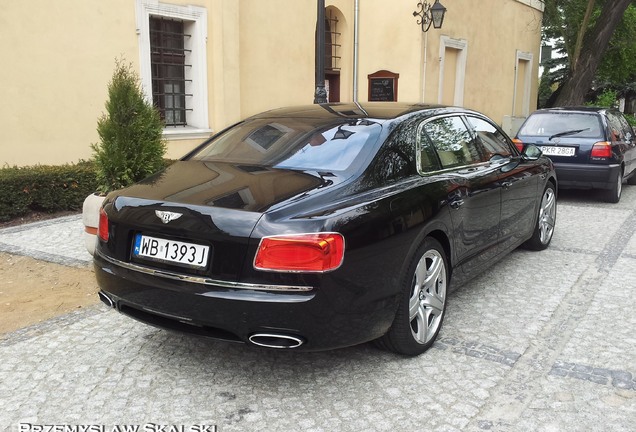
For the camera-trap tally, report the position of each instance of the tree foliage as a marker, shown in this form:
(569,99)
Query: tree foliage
(618,67)
(596,39)
(131,145)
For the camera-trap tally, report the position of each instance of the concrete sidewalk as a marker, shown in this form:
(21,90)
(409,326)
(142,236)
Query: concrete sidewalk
(57,240)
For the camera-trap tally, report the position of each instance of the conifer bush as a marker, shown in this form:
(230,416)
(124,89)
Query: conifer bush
(131,146)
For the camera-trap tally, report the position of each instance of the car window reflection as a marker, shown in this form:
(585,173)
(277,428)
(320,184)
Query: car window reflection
(293,144)
(453,142)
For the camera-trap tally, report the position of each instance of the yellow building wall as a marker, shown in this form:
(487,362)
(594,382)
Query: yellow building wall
(277,54)
(57,64)
(260,55)
(493,33)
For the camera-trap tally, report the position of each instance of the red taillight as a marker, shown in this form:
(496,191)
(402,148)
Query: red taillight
(320,252)
(518,143)
(601,149)
(103,225)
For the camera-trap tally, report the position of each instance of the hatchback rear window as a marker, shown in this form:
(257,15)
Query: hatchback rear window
(293,143)
(548,124)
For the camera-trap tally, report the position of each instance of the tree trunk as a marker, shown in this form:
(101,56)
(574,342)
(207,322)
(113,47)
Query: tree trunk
(580,37)
(576,86)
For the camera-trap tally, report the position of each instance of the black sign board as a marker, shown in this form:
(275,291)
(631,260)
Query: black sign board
(382,89)
(383,86)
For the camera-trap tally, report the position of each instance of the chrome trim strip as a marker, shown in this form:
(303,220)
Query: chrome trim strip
(202,280)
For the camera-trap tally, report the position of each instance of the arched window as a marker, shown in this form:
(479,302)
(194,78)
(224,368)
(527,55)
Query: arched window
(332,54)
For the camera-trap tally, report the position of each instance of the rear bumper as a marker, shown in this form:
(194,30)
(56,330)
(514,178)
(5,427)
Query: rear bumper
(326,317)
(586,176)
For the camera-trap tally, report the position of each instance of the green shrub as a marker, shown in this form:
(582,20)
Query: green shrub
(607,99)
(131,145)
(44,188)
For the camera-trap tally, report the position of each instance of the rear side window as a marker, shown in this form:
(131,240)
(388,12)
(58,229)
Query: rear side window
(548,124)
(493,140)
(396,159)
(619,128)
(452,142)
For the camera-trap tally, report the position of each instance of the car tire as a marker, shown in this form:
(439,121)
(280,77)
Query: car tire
(422,306)
(546,220)
(632,179)
(613,194)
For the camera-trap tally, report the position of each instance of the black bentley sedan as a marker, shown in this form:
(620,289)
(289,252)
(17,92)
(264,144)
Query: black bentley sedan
(324,226)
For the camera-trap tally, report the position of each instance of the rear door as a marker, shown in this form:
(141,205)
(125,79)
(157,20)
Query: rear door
(473,193)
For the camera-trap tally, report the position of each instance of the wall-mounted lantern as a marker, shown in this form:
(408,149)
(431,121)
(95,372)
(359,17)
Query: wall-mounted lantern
(430,15)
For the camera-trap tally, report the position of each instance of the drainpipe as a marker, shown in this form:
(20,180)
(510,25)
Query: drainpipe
(356,26)
(424,62)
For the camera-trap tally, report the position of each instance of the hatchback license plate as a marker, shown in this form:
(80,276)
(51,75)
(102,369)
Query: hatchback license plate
(171,251)
(558,151)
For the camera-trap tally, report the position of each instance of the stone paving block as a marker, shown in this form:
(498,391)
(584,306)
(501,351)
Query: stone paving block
(605,336)
(56,240)
(233,385)
(578,227)
(541,341)
(504,307)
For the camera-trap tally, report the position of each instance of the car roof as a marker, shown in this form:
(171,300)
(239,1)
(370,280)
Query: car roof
(576,109)
(373,110)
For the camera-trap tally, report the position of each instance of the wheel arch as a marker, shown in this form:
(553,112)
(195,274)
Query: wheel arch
(439,232)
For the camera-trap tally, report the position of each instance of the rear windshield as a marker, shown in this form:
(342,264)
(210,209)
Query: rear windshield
(293,143)
(551,123)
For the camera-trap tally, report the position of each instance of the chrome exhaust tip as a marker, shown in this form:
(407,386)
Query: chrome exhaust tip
(279,341)
(106,300)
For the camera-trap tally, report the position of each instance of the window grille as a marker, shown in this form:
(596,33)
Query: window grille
(332,45)
(168,57)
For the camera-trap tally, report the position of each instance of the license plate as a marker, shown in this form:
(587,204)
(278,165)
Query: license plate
(171,251)
(558,151)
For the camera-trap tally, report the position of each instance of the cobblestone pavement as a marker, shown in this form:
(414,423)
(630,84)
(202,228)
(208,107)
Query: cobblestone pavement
(543,341)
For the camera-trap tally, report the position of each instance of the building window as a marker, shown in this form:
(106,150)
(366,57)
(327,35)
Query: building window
(332,55)
(332,42)
(168,58)
(173,65)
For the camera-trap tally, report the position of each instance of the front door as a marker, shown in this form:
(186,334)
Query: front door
(475,195)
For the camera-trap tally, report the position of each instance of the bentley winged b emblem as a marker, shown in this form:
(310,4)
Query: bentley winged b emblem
(167,216)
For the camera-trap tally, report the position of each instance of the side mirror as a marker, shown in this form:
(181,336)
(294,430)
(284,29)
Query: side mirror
(532,152)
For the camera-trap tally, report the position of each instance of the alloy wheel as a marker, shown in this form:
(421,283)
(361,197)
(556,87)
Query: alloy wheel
(428,297)
(547,216)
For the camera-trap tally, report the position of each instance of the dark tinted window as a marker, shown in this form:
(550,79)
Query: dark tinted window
(396,159)
(619,128)
(629,131)
(494,142)
(453,142)
(551,123)
(292,143)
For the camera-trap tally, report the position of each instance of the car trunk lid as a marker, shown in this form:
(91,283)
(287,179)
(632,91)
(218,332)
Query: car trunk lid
(192,206)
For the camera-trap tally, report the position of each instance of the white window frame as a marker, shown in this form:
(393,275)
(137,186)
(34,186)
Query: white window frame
(527,82)
(195,20)
(460,73)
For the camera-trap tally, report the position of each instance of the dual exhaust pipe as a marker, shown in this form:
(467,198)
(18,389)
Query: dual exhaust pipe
(106,300)
(266,340)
